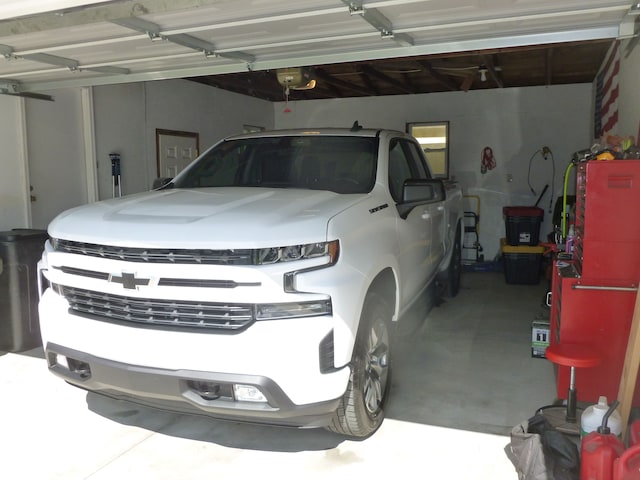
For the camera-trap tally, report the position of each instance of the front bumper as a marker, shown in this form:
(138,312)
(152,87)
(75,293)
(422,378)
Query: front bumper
(282,358)
(178,390)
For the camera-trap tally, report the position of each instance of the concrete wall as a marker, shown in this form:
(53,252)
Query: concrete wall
(515,122)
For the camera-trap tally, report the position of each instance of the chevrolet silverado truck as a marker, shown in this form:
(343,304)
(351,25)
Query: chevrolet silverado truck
(260,284)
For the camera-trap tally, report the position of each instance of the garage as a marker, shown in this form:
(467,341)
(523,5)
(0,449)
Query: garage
(530,108)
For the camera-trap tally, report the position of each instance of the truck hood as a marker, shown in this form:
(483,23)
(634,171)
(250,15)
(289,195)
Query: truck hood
(230,217)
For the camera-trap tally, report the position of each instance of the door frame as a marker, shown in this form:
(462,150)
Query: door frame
(174,133)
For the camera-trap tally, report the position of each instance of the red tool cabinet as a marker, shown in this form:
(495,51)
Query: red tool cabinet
(593,295)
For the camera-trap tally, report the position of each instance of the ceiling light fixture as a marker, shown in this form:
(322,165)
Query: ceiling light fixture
(483,74)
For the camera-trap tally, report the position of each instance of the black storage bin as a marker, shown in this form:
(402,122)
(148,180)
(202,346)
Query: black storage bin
(522,225)
(522,265)
(20,251)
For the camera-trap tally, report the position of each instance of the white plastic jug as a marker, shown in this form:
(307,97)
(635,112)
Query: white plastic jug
(592,418)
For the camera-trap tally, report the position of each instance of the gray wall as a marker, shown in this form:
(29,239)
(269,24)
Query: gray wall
(127,116)
(14,195)
(629,98)
(515,122)
(56,155)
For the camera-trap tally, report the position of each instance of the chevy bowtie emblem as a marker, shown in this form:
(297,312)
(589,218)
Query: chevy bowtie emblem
(129,280)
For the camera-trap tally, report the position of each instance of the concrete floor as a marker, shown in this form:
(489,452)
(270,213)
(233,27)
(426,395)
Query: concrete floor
(462,379)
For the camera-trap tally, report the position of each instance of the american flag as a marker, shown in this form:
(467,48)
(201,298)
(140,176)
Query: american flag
(606,108)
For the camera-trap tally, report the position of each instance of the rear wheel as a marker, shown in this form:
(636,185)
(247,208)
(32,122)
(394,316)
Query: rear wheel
(362,408)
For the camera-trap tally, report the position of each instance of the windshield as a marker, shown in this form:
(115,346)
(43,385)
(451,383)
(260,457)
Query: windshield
(341,164)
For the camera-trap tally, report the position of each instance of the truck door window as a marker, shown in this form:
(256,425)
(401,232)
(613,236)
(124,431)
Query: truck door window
(399,169)
(418,160)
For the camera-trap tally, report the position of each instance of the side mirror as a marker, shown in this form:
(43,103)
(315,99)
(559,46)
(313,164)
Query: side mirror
(160,182)
(417,191)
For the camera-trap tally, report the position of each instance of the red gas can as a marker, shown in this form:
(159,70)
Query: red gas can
(597,455)
(634,433)
(627,467)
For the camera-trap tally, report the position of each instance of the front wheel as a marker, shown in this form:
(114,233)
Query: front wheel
(361,410)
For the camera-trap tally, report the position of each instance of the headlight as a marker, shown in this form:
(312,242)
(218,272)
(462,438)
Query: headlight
(267,256)
(273,311)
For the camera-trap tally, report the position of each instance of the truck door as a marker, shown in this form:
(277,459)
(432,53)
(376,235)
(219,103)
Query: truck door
(413,233)
(435,210)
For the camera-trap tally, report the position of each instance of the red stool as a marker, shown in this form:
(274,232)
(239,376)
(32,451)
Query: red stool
(572,355)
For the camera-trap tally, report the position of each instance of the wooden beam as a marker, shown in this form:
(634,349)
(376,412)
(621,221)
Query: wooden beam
(323,75)
(548,63)
(369,70)
(630,367)
(370,85)
(467,82)
(491,68)
(438,77)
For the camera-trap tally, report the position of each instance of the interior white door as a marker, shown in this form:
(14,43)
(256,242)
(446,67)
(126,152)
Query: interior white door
(175,152)
(56,156)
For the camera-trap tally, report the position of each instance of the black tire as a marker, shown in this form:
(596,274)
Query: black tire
(362,408)
(454,270)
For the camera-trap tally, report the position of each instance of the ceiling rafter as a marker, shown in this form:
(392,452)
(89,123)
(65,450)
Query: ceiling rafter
(548,66)
(369,70)
(366,79)
(440,78)
(491,68)
(323,75)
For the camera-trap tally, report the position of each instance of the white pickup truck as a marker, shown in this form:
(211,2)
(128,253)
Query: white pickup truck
(258,285)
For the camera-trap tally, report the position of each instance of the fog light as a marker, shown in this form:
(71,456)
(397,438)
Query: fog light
(211,390)
(62,361)
(248,393)
(78,367)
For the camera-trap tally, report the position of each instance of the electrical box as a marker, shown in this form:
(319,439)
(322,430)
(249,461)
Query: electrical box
(539,338)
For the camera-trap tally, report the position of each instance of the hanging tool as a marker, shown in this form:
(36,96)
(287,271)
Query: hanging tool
(488,161)
(546,187)
(115,174)
(546,153)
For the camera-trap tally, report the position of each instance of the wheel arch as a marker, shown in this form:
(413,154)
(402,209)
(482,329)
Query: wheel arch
(385,284)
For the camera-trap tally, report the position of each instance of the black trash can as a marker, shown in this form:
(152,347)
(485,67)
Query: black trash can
(20,251)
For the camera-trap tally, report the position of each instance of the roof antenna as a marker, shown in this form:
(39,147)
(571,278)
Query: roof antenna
(356,126)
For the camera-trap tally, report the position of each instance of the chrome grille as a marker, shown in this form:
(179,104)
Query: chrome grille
(158,312)
(156,255)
